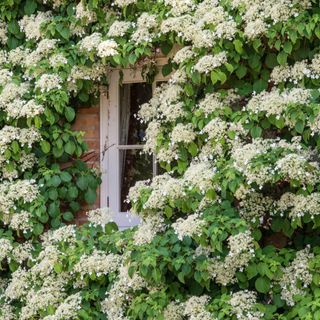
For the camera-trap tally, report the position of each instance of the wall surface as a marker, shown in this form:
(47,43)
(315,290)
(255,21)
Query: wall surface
(88,121)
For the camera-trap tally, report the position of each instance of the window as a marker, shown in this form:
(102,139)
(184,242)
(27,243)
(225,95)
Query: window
(122,138)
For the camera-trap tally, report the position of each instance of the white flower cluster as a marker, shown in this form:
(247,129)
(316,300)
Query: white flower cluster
(5,76)
(23,109)
(51,293)
(275,102)
(183,133)
(11,91)
(183,55)
(49,82)
(10,192)
(83,13)
(107,48)
(243,304)
(255,206)
(293,162)
(152,132)
(208,63)
(95,72)
(258,14)
(120,294)
(97,263)
(6,248)
(18,285)
(148,229)
(199,175)
(194,309)
(25,136)
(215,102)
(296,277)
(297,72)
(124,3)
(189,227)
(22,252)
(11,100)
(241,251)
(146,23)
(298,205)
(65,234)
(218,129)
(99,217)
(91,42)
(68,309)
(18,55)
(119,28)
(179,7)
(58,60)
(31,25)
(21,221)
(164,105)
(55,3)
(3,33)
(208,23)
(164,187)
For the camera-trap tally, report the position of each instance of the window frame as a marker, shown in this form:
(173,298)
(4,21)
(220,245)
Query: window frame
(110,193)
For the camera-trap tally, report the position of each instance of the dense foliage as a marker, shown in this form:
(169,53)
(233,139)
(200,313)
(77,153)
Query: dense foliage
(231,231)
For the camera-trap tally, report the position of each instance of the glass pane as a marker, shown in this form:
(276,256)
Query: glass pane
(134,167)
(132,95)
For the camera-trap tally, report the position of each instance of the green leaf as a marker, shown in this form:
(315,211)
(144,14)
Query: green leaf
(69,113)
(271,60)
(65,176)
(38,229)
(53,194)
(15,147)
(282,58)
(73,192)
(68,216)
(58,267)
(193,149)
(260,85)
(214,77)
(45,146)
(90,196)
(299,126)
(287,47)
(241,71)
(54,209)
(54,181)
(262,284)
(70,147)
(166,69)
(238,46)
(30,7)
(82,183)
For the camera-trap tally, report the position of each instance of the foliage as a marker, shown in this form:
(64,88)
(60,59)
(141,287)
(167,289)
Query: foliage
(231,230)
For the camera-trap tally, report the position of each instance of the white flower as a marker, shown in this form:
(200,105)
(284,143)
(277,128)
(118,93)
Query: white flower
(119,28)
(100,216)
(107,48)
(209,63)
(91,42)
(30,25)
(48,82)
(190,226)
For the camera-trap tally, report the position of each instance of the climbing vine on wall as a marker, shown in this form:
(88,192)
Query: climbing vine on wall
(231,230)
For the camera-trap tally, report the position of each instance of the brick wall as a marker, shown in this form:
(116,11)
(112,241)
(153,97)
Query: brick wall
(88,121)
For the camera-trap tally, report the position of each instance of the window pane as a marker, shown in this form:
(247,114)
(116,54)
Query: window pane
(134,167)
(132,95)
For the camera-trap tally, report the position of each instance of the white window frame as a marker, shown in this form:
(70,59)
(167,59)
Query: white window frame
(110,195)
